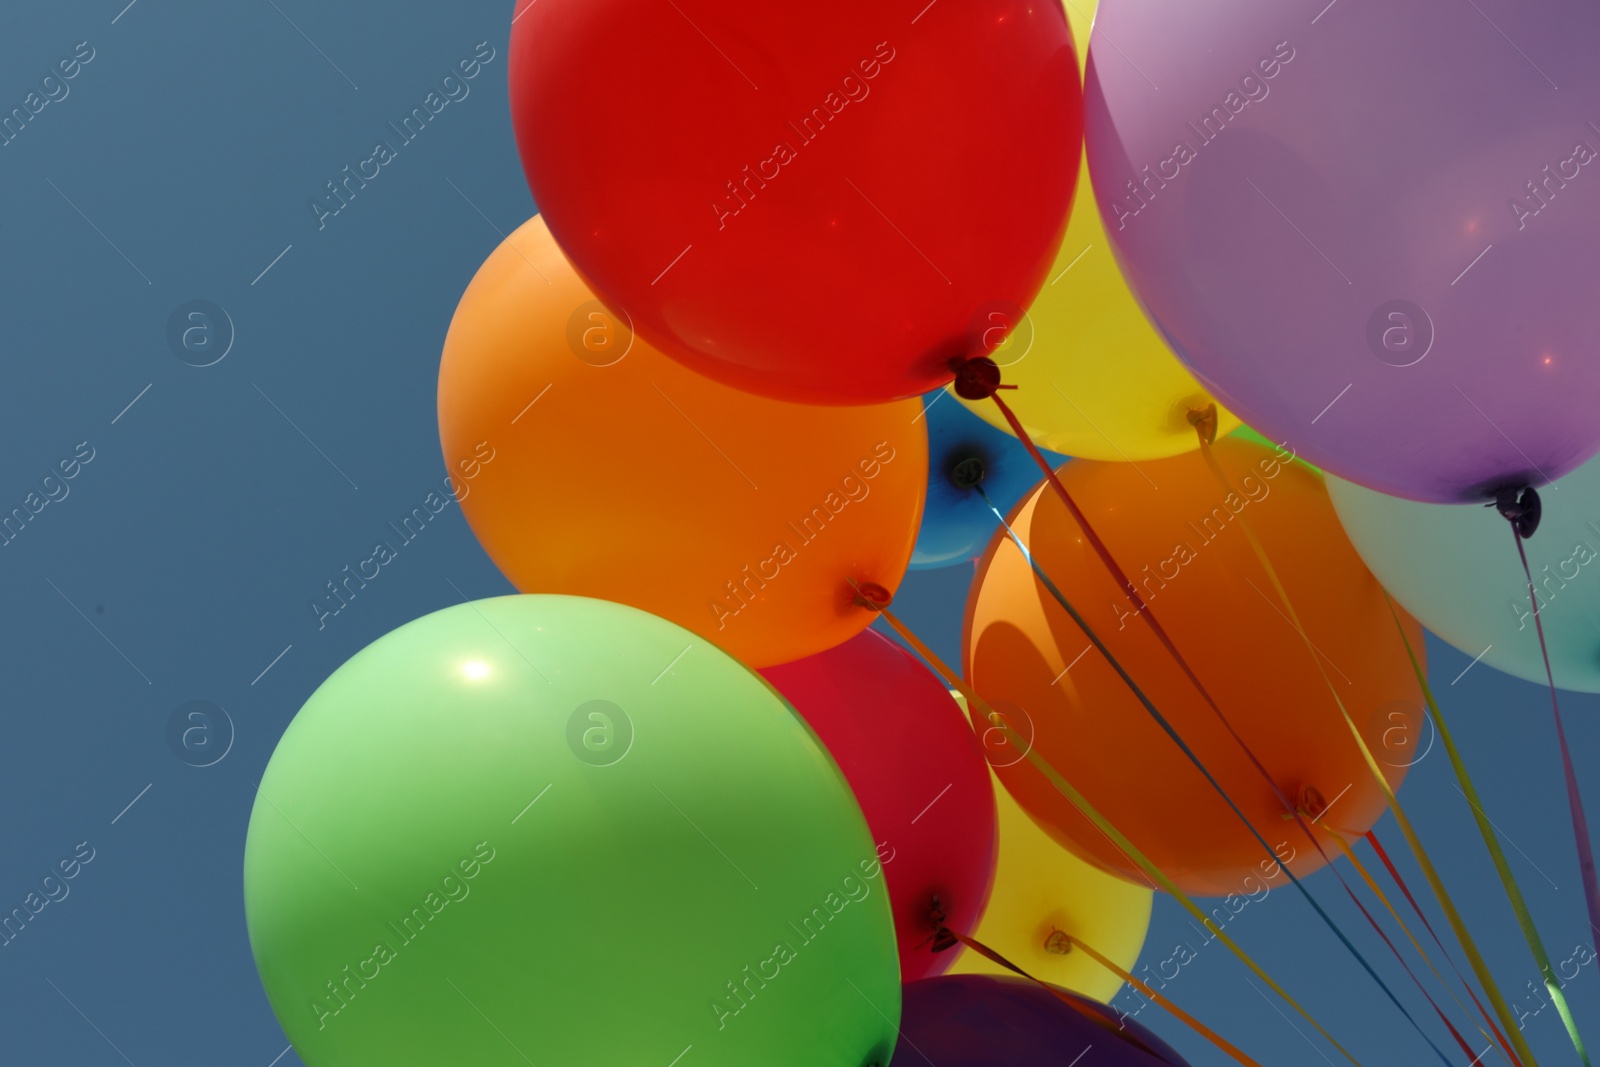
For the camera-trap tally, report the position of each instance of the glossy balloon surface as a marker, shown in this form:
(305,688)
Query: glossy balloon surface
(507,814)
(1372,230)
(823,201)
(590,464)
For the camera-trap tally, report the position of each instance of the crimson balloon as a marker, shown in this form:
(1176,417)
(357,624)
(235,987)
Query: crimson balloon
(826,202)
(920,776)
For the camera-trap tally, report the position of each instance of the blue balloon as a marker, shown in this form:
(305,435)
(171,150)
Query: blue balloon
(956,523)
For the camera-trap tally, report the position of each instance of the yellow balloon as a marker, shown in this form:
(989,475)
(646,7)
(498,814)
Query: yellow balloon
(1040,888)
(1094,378)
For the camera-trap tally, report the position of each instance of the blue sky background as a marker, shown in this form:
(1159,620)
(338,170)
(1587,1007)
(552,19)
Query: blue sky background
(178,167)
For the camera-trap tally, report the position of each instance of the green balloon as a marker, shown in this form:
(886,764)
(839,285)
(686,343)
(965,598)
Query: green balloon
(1246,433)
(561,831)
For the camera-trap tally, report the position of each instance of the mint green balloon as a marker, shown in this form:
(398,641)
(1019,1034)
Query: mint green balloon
(1455,567)
(561,831)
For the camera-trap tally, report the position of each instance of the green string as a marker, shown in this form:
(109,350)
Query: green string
(1524,918)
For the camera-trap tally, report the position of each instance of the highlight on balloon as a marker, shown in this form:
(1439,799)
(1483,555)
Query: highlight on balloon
(1027,530)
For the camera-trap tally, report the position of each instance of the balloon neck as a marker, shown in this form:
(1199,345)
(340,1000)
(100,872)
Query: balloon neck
(1059,943)
(870,595)
(967,473)
(1521,507)
(1309,804)
(944,938)
(1204,421)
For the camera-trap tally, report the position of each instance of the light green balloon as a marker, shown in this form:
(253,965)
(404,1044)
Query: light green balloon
(561,831)
(1455,567)
(1247,434)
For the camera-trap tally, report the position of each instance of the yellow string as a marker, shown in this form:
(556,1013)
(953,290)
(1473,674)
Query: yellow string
(1474,957)
(1486,829)
(1372,884)
(1151,994)
(1079,801)
(1076,1005)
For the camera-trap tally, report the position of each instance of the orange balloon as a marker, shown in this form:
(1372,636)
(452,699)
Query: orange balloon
(591,464)
(1175,531)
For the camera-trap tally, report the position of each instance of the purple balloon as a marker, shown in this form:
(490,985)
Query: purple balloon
(1371,229)
(983,1020)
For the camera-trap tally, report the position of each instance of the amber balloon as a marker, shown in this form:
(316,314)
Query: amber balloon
(1043,892)
(590,464)
(1177,531)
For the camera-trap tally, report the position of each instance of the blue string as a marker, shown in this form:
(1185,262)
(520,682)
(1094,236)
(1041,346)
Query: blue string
(1187,751)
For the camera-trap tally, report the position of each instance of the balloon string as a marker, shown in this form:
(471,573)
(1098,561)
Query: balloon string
(1260,552)
(1159,999)
(945,938)
(1205,423)
(1183,746)
(1371,837)
(1377,890)
(1508,881)
(1412,839)
(1089,811)
(1194,1024)
(1129,589)
(1457,924)
(1580,821)
(1474,1057)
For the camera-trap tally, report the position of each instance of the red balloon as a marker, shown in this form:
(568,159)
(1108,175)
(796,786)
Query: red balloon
(920,777)
(826,202)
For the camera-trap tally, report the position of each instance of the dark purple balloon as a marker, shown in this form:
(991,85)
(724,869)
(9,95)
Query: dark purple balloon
(1371,229)
(984,1020)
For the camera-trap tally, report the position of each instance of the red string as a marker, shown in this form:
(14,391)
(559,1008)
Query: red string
(1371,837)
(1142,610)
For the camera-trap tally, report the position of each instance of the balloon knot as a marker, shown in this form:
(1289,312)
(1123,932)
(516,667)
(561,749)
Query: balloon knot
(872,596)
(1059,943)
(978,378)
(1204,421)
(968,473)
(1311,803)
(1520,507)
(943,938)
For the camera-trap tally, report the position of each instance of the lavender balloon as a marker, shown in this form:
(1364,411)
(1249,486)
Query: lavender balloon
(1371,229)
(982,1020)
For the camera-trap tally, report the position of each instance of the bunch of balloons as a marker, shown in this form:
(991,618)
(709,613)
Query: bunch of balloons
(814,298)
